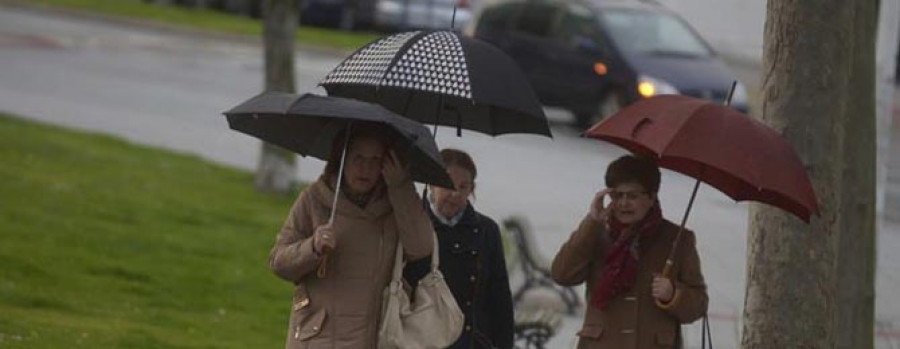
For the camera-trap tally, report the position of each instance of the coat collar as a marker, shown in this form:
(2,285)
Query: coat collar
(469,217)
(378,205)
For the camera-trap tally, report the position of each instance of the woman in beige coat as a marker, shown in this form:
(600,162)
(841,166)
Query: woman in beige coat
(617,251)
(338,305)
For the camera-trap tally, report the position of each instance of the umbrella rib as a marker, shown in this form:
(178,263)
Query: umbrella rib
(681,125)
(294,103)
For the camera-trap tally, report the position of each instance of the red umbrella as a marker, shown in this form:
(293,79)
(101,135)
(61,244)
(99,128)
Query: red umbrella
(715,144)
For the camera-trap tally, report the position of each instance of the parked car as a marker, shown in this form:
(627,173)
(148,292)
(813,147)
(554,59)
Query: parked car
(400,15)
(387,15)
(341,14)
(593,58)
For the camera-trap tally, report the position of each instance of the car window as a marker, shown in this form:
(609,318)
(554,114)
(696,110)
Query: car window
(652,33)
(578,27)
(537,19)
(497,17)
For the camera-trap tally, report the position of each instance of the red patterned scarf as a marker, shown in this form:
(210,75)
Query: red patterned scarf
(620,264)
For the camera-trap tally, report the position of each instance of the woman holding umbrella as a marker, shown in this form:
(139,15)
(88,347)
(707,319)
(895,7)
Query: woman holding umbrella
(341,268)
(473,261)
(617,251)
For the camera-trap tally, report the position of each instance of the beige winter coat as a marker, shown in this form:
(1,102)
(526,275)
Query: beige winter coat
(343,309)
(633,320)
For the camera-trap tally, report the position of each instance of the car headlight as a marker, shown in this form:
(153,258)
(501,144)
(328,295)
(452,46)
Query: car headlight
(740,95)
(649,87)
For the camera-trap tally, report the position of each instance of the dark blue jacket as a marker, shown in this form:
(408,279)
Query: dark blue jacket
(474,267)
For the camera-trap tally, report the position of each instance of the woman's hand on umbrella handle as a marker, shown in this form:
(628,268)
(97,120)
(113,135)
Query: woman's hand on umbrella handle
(662,289)
(323,240)
(599,211)
(393,171)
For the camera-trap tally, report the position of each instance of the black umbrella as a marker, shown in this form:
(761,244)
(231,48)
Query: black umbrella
(308,125)
(441,78)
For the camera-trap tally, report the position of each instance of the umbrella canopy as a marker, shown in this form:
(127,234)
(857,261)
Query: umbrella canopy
(309,124)
(441,78)
(715,144)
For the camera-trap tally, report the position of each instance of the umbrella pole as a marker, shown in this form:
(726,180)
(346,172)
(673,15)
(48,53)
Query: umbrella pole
(667,270)
(437,120)
(337,186)
(323,266)
(437,116)
(453,19)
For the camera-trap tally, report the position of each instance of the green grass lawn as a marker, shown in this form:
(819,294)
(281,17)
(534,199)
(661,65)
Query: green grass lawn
(105,244)
(209,20)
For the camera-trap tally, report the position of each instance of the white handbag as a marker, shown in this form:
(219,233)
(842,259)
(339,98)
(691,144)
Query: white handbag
(434,320)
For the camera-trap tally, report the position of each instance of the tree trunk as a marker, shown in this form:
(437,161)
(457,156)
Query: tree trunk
(887,56)
(856,243)
(277,166)
(791,281)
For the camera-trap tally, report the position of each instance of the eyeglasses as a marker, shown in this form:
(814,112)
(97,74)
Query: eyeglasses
(630,195)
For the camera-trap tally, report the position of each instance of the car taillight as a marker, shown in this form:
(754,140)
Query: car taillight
(600,68)
(462,3)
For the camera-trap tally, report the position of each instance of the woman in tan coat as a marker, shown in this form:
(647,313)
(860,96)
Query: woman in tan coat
(338,305)
(618,251)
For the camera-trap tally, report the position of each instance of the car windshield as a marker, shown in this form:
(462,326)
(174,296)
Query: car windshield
(652,33)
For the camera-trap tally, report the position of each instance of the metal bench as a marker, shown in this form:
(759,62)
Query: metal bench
(535,268)
(534,327)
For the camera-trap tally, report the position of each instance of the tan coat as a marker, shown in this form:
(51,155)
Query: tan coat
(343,309)
(633,319)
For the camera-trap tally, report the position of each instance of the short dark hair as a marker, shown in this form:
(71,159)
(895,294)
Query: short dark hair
(634,169)
(456,157)
(358,131)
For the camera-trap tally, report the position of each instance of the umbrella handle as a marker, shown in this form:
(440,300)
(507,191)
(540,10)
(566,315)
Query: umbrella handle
(322,270)
(667,273)
(667,270)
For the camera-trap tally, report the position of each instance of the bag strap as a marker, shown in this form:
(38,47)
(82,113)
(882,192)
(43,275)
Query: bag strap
(398,258)
(707,332)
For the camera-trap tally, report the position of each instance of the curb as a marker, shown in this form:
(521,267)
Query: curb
(164,27)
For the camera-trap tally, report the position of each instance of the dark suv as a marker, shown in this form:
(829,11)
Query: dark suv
(592,58)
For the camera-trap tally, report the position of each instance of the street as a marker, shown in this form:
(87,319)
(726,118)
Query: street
(168,90)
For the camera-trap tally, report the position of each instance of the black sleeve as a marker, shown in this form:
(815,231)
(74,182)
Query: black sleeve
(500,297)
(416,270)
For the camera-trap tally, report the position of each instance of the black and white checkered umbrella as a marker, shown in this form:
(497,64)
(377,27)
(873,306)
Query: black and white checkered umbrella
(439,77)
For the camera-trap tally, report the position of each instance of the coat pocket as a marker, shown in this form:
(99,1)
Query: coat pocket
(306,320)
(306,323)
(591,331)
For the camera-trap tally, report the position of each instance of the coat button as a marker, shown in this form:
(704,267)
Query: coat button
(468,328)
(455,245)
(474,253)
(472,278)
(468,303)
(476,230)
